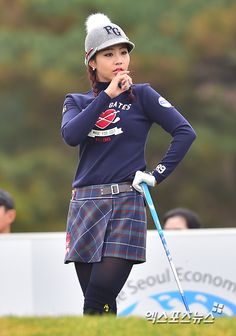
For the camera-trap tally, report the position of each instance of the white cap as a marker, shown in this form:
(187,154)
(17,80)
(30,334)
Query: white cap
(102,33)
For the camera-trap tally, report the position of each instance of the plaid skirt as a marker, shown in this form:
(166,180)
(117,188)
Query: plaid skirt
(112,225)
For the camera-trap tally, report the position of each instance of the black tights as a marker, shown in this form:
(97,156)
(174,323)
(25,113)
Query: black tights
(101,282)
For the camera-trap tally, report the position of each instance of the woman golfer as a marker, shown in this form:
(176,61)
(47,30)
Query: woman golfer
(106,226)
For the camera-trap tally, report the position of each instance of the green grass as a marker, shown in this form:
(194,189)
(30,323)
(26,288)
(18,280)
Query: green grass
(111,326)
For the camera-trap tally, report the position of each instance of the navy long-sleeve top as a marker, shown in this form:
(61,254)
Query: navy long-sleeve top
(111,134)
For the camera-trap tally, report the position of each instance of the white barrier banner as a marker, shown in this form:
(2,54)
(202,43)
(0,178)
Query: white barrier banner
(34,280)
(205,267)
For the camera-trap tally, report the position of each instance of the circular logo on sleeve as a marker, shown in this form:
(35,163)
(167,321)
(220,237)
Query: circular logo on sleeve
(163,102)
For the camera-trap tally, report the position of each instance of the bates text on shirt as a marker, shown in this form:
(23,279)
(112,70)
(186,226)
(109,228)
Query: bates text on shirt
(120,105)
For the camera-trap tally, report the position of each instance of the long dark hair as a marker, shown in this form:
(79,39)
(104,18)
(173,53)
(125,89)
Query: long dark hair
(93,80)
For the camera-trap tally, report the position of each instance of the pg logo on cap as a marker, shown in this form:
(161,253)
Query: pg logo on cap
(112,30)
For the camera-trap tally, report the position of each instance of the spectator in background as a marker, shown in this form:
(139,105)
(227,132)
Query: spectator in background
(181,219)
(7,211)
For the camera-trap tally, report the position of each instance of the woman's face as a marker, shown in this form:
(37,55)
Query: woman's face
(108,62)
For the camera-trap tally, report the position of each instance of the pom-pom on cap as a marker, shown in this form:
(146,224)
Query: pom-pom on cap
(102,33)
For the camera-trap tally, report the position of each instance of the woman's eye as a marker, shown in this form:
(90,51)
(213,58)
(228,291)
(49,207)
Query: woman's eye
(108,54)
(124,52)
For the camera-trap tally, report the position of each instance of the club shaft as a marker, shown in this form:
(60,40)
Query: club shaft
(163,240)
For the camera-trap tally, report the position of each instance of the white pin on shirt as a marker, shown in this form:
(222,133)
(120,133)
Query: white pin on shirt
(163,102)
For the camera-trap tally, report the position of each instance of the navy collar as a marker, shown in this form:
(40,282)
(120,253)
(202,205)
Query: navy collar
(102,86)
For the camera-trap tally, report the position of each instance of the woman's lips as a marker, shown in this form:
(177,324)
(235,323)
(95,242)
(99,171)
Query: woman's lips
(117,70)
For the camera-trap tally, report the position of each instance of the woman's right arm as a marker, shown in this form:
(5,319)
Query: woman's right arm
(78,122)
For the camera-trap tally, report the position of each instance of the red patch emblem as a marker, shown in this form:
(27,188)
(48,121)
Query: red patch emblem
(106,118)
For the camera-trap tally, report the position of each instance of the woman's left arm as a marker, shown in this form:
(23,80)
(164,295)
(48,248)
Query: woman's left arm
(160,111)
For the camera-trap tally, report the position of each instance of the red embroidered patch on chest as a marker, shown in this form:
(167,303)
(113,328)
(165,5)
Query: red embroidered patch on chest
(106,118)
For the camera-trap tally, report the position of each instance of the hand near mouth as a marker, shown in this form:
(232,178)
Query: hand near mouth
(119,84)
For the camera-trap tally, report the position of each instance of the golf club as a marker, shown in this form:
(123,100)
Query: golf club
(163,240)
